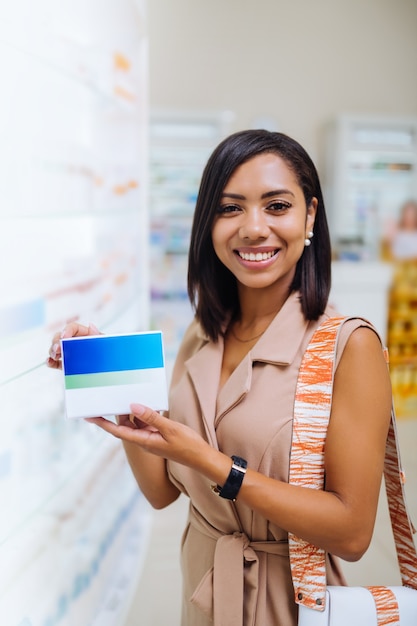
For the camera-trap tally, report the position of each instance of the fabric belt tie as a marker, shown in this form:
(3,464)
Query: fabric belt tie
(221,590)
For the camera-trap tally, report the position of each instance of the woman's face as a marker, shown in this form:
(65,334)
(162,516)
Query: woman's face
(262,222)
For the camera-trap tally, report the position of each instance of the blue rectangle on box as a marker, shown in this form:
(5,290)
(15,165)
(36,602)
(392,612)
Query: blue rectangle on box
(113,354)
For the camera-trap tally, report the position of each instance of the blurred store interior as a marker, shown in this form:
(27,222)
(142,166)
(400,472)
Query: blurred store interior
(110,109)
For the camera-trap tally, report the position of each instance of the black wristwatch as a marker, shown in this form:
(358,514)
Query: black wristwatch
(234,481)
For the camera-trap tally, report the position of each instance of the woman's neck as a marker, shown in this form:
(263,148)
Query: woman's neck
(258,309)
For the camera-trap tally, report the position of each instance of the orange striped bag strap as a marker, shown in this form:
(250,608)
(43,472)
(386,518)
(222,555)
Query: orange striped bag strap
(402,527)
(311,417)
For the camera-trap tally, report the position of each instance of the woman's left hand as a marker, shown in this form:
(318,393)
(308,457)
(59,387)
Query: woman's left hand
(156,434)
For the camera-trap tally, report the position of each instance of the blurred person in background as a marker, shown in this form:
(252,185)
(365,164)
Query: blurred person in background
(403,236)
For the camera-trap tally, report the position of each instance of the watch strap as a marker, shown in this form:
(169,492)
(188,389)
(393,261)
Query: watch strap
(234,481)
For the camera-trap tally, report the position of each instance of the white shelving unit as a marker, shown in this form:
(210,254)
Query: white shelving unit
(180,144)
(371,169)
(73,235)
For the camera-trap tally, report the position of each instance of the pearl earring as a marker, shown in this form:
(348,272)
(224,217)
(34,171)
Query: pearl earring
(307,241)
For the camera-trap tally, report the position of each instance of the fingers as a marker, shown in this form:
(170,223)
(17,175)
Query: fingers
(156,434)
(55,351)
(54,358)
(148,416)
(78,330)
(126,433)
(71,330)
(53,363)
(107,425)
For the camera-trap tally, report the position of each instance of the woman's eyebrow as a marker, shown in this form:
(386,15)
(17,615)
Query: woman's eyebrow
(236,196)
(277,192)
(268,194)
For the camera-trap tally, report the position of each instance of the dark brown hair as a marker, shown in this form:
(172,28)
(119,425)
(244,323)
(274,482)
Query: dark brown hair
(212,288)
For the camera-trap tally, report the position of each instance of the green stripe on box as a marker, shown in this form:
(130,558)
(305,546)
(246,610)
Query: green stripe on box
(106,379)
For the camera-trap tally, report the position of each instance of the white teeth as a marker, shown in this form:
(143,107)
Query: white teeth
(259,256)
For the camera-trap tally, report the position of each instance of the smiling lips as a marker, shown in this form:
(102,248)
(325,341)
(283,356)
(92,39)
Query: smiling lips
(257,256)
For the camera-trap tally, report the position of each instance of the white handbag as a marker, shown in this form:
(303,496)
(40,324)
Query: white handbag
(319,604)
(355,606)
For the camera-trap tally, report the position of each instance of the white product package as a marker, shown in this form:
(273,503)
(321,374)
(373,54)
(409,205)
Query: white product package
(105,374)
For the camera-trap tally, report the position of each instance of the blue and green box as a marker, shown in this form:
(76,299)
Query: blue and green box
(104,374)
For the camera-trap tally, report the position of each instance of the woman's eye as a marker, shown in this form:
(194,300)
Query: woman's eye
(279,206)
(227,208)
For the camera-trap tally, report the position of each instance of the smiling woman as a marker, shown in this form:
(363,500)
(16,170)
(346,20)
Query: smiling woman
(261,226)
(267,184)
(260,292)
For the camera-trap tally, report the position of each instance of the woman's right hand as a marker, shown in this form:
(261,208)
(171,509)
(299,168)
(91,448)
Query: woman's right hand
(73,329)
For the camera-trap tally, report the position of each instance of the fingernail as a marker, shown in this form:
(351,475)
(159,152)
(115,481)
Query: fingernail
(54,350)
(137,409)
(94,328)
(63,334)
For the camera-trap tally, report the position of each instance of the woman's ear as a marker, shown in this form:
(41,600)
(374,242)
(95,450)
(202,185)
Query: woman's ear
(311,214)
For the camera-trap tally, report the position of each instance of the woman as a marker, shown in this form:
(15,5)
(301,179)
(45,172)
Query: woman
(404,237)
(259,282)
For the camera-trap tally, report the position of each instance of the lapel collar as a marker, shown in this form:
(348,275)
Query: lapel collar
(278,345)
(281,341)
(204,369)
(235,388)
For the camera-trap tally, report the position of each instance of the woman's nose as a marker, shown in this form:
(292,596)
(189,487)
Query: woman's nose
(254,225)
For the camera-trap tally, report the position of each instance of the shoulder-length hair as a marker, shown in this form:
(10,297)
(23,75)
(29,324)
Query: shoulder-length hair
(212,288)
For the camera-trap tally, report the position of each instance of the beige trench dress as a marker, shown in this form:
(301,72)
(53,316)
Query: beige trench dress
(235,562)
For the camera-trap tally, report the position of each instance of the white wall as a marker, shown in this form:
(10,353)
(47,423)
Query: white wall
(299,62)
